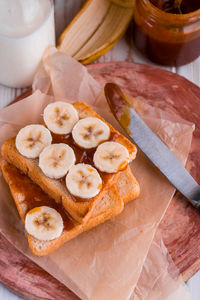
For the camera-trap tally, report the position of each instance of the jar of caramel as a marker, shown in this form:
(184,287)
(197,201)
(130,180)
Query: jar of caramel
(167,31)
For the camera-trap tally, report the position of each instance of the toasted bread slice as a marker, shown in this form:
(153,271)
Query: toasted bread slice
(127,186)
(79,210)
(28,195)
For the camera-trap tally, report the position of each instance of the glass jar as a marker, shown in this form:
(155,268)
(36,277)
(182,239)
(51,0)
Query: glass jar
(166,38)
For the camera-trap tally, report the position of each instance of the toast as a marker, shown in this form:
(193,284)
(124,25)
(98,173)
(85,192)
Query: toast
(28,195)
(80,211)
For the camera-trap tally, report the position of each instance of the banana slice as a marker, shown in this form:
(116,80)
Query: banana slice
(83,181)
(32,139)
(55,160)
(111,157)
(60,117)
(44,223)
(90,132)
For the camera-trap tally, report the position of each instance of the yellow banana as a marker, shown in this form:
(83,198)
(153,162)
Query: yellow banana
(96,28)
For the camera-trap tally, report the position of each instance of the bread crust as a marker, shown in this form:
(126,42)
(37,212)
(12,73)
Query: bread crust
(81,211)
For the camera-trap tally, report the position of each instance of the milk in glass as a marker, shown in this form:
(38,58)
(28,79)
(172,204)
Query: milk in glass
(26,30)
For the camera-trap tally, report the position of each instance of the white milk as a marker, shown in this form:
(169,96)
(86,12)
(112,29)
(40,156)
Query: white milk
(26,30)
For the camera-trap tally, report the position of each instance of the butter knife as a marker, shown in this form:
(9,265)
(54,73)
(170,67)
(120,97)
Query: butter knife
(151,145)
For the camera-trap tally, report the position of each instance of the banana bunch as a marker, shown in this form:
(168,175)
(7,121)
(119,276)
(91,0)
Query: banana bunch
(59,160)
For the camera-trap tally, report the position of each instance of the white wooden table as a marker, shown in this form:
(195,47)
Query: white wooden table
(64,11)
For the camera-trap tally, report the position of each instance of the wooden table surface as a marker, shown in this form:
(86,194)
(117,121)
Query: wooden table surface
(123,51)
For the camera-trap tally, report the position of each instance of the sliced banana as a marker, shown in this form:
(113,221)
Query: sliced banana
(83,181)
(32,139)
(60,117)
(111,157)
(90,132)
(44,223)
(55,160)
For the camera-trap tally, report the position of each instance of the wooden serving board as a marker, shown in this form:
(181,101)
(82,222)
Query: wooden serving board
(181,224)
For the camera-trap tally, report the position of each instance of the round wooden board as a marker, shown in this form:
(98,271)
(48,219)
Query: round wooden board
(173,94)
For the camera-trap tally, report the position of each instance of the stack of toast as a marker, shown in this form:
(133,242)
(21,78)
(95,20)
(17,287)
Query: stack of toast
(33,187)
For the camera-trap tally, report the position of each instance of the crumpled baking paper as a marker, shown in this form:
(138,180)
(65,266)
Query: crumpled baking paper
(160,279)
(119,259)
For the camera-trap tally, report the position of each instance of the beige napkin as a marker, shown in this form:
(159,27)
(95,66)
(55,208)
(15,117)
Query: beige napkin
(107,261)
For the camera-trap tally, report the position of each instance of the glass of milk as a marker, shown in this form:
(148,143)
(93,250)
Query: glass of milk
(26,30)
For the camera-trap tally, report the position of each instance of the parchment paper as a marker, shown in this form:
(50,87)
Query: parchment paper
(160,279)
(106,262)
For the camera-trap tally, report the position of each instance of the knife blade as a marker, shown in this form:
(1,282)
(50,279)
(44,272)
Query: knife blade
(151,145)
